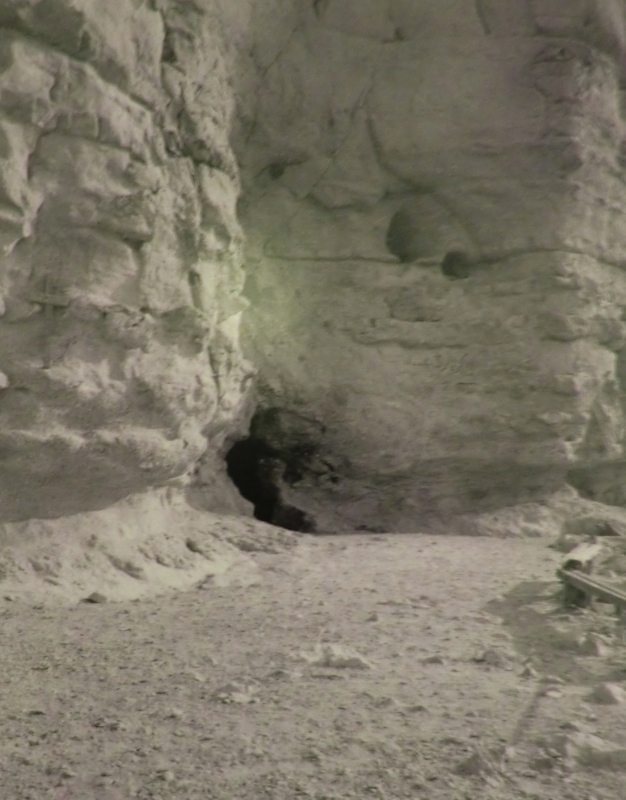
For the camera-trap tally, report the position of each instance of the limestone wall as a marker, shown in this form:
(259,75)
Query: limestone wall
(121,264)
(414,211)
(434,213)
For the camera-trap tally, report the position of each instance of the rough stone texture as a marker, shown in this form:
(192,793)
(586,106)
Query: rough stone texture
(121,264)
(433,203)
(144,545)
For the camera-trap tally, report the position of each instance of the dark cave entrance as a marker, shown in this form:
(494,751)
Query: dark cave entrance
(259,464)
(249,464)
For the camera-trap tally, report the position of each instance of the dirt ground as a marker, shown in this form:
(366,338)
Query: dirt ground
(467,682)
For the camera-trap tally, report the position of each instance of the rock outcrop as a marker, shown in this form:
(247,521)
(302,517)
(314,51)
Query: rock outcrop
(121,266)
(433,298)
(433,205)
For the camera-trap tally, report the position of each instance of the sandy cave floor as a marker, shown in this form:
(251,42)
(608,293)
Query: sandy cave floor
(204,694)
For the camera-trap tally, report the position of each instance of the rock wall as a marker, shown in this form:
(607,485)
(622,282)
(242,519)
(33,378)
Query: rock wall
(434,197)
(121,263)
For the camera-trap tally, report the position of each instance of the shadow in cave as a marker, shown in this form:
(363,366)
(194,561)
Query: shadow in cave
(257,470)
(251,468)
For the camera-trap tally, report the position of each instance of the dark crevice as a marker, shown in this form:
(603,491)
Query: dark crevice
(400,238)
(320,7)
(274,455)
(277,170)
(168,54)
(456,265)
(251,466)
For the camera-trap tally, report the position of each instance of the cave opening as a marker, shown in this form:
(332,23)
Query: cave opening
(250,466)
(258,468)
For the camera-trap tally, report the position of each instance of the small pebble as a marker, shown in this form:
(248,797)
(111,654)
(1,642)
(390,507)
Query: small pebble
(593,645)
(66,772)
(607,694)
(433,660)
(571,725)
(476,764)
(493,658)
(95,597)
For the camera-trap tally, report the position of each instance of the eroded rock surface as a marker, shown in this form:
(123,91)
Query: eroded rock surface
(121,263)
(433,203)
